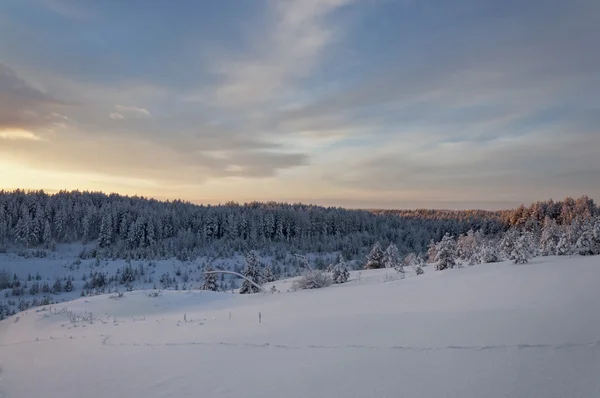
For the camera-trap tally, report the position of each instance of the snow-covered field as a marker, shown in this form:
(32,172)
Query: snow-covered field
(494,330)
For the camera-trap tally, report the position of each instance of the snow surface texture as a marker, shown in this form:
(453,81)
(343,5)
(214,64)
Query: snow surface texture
(494,330)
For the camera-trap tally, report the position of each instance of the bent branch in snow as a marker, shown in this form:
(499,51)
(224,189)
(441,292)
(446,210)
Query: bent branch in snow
(236,274)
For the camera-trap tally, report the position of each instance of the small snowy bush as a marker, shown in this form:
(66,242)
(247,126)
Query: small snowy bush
(312,280)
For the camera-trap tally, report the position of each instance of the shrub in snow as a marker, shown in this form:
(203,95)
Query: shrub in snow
(445,253)
(376,258)
(252,272)
(340,272)
(312,280)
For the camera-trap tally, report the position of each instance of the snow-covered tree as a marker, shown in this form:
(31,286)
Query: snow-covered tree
(549,237)
(445,253)
(487,252)
(376,258)
(47,237)
(420,263)
(521,252)
(268,274)
(105,235)
(431,251)
(392,257)
(466,248)
(340,272)
(588,242)
(210,280)
(563,246)
(508,242)
(252,272)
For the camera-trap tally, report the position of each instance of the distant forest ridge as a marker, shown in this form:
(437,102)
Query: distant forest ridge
(123,226)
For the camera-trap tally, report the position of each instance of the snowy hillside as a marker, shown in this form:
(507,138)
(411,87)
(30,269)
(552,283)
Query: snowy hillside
(493,330)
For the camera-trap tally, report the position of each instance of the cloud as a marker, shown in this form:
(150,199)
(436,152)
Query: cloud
(18,134)
(146,160)
(23,106)
(292,46)
(342,101)
(116,116)
(132,110)
(126,112)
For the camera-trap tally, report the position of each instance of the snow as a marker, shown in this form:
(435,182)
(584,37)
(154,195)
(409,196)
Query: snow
(493,330)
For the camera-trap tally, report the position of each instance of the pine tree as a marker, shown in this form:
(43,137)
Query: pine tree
(252,272)
(210,280)
(375,259)
(445,253)
(340,272)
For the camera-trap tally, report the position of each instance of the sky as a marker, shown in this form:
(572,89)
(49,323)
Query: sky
(354,103)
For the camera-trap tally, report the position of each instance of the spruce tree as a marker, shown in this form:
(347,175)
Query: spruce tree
(521,252)
(210,280)
(392,258)
(268,274)
(57,287)
(375,259)
(69,285)
(340,272)
(47,237)
(105,235)
(445,253)
(252,272)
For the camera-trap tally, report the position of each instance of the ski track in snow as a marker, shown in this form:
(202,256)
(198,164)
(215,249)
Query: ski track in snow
(104,341)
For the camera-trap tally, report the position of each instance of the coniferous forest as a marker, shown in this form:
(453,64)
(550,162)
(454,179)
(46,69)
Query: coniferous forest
(136,227)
